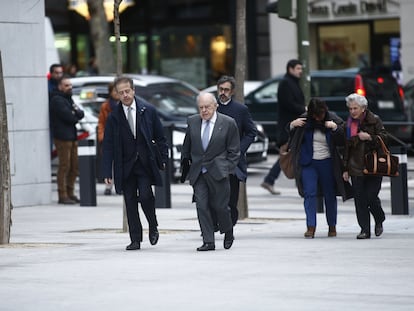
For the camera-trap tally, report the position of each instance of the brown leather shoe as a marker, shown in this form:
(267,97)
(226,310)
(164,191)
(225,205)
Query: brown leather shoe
(74,198)
(332,231)
(310,233)
(66,201)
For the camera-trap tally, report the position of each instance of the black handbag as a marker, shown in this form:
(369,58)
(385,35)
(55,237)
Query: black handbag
(381,162)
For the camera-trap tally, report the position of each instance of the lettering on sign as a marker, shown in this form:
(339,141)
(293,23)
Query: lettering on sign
(349,8)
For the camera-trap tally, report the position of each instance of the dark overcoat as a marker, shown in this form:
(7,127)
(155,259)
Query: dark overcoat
(114,148)
(247,132)
(335,140)
(291,102)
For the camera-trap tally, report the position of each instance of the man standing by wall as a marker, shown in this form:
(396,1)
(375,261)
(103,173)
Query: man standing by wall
(55,74)
(291,101)
(64,114)
(128,147)
(212,145)
(247,133)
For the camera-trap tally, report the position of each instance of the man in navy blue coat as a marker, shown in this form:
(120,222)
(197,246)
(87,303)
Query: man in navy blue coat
(133,132)
(247,133)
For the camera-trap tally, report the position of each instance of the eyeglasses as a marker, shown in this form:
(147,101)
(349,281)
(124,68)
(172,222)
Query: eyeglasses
(224,89)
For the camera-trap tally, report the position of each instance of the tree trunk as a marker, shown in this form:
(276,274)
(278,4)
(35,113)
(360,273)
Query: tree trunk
(240,75)
(100,37)
(117,26)
(5,193)
(117,30)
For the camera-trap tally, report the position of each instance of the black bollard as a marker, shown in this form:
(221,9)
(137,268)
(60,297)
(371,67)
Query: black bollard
(163,193)
(87,172)
(399,187)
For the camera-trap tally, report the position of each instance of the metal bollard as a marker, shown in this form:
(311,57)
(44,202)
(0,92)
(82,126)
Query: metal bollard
(399,187)
(87,172)
(163,193)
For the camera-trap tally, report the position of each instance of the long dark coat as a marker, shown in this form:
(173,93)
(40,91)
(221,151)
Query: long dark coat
(151,129)
(291,102)
(335,140)
(247,132)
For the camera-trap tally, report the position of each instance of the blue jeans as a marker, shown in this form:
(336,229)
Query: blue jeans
(319,172)
(273,173)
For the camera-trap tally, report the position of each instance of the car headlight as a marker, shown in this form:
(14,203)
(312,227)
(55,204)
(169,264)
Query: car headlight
(259,128)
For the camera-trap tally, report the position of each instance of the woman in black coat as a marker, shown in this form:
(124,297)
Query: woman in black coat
(315,136)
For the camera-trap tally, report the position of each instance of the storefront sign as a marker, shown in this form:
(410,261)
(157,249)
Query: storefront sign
(350,9)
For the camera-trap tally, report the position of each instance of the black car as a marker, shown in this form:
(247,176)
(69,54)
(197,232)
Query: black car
(385,98)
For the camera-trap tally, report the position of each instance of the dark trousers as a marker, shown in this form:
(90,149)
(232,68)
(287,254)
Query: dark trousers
(273,173)
(234,198)
(68,170)
(211,194)
(366,190)
(137,188)
(319,172)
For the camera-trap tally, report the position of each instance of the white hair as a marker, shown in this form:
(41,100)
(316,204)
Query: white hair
(358,99)
(207,96)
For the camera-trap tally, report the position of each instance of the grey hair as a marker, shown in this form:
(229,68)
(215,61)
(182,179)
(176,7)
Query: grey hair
(358,99)
(208,96)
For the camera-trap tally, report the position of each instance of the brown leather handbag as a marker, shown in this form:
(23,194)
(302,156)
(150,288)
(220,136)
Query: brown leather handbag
(381,162)
(286,161)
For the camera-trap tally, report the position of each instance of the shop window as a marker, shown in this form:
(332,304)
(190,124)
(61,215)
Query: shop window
(344,46)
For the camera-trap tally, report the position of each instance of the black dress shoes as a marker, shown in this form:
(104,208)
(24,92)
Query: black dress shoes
(206,247)
(228,239)
(133,246)
(378,229)
(363,236)
(153,236)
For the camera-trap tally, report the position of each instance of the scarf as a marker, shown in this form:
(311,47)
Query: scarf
(352,126)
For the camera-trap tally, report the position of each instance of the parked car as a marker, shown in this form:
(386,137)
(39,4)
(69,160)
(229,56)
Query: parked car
(409,104)
(385,98)
(175,100)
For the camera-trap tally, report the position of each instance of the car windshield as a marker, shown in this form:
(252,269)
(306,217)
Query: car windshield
(170,98)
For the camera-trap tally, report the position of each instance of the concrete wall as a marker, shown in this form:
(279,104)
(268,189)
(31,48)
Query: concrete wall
(283,43)
(407,39)
(22,45)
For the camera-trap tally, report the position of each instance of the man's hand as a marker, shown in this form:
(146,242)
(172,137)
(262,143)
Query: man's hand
(108,181)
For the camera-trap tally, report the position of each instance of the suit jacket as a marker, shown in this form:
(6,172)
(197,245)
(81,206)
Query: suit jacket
(119,148)
(222,153)
(247,132)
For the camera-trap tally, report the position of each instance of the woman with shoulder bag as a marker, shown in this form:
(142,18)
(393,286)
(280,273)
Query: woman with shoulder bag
(315,136)
(362,130)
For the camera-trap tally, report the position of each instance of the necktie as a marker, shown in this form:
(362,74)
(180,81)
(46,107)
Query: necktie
(131,121)
(206,135)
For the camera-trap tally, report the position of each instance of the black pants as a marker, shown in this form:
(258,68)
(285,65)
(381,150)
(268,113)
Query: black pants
(366,190)
(137,188)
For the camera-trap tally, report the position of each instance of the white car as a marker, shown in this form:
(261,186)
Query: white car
(174,100)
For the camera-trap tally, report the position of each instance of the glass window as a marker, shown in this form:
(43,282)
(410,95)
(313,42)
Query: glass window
(344,46)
